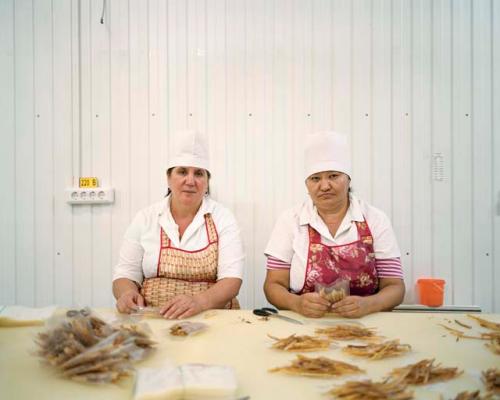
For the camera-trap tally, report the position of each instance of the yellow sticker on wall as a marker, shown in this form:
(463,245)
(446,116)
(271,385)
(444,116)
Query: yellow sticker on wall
(88,182)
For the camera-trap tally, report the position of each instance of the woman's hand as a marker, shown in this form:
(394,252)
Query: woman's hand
(129,301)
(312,305)
(353,306)
(182,306)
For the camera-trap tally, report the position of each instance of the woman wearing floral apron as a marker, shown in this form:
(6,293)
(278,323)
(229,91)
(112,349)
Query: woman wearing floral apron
(330,238)
(183,254)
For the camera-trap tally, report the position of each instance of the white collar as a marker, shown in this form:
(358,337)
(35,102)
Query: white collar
(167,220)
(308,211)
(308,214)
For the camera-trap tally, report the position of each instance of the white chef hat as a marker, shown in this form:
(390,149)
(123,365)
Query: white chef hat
(190,150)
(327,151)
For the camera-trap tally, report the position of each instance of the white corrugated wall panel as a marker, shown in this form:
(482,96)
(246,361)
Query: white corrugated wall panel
(43,148)
(62,154)
(120,127)
(482,230)
(461,105)
(441,150)
(381,105)
(495,148)
(8,152)
(415,84)
(24,188)
(420,137)
(402,202)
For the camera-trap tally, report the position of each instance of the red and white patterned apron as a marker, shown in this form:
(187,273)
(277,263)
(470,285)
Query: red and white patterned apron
(353,261)
(183,271)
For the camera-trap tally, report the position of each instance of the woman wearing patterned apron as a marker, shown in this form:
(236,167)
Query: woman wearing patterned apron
(183,254)
(332,237)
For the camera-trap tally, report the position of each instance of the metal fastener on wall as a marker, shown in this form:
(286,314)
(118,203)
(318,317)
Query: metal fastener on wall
(103,11)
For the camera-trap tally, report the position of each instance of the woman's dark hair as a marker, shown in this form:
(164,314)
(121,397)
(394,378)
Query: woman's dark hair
(169,172)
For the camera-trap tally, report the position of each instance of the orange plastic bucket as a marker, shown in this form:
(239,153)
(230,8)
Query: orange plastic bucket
(431,291)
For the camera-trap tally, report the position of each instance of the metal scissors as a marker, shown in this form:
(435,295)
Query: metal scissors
(272,312)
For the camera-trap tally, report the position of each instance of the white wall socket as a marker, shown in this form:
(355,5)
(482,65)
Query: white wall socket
(90,195)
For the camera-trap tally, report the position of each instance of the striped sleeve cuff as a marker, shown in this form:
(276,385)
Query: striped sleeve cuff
(276,263)
(389,268)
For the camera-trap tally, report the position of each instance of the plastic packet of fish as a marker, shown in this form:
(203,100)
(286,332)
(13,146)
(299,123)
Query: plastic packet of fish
(187,328)
(148,312)
(335,291)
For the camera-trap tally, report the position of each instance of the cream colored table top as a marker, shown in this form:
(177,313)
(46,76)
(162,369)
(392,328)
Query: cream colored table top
(239,339)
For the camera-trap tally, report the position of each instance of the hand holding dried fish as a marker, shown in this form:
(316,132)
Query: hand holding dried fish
(348,332)
(369,390)
(322,367)
(85,348)
(334,295)
(491,379)
(377,351)
(300,343)
(424,372)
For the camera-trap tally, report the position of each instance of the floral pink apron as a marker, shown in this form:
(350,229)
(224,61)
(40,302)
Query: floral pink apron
(184,272)
(353,261)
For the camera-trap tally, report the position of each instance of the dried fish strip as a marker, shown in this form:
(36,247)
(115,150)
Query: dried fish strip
(462,324)
(378,351)
(424,372)
(460,334)
(85,348)
(369,390)
(348,332)
(321,367)
(300,343)
(491,379)
(494,326)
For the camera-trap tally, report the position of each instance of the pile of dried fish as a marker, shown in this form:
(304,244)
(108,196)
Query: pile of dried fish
(377,351)
(494,326)
(348,332)
(476,395)
(318,367)
(491,379)
(85,348)
(494,344)
(493,335)
(424,372)
(369,390)
(334,295)
(300,343)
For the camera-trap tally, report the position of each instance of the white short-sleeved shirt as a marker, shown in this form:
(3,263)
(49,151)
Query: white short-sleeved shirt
(140,250)
(289,240)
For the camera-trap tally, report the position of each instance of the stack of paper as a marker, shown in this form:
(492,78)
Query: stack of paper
(159,384)
(24,316)
(189,381)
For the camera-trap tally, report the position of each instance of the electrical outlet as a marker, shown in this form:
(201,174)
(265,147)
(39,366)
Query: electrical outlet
(90,195)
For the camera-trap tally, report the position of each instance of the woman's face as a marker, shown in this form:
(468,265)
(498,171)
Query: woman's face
(328,189)
(188,185)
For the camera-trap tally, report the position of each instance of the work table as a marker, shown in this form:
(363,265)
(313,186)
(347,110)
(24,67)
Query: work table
(239,339)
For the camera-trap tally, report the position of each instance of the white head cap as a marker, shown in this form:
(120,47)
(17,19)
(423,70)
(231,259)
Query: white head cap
(327,151)
(190,150)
